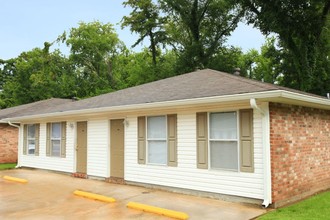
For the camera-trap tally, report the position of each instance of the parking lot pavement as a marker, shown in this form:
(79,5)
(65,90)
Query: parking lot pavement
(49,195)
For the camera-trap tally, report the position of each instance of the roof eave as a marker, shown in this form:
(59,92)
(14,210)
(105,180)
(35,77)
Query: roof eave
(269,96)
(293,98)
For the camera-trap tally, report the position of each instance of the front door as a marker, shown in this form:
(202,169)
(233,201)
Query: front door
(117,148)
(81,147)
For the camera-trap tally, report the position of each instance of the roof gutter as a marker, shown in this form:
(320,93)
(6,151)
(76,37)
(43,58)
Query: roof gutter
(254,105)
(176,103)
(11,124)
(185,102)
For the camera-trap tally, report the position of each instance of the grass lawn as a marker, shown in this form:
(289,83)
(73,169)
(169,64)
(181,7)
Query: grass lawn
(316,207)
(6,166)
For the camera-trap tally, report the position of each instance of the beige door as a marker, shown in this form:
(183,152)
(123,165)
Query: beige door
(117,148)
(81,147)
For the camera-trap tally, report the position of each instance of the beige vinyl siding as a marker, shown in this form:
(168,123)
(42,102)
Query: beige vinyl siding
(98,148)
(45,162)
(186,174)
(257,142)
(186,156)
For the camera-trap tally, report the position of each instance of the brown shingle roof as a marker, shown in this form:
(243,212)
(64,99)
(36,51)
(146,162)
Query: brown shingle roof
(203,83)
(38,107)
(198,84)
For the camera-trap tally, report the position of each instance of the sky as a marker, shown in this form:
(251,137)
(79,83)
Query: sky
(26,24)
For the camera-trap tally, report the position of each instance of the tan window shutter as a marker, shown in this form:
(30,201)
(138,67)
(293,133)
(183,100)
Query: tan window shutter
(142,140)
(202,139)
(24,139)
(48,139)
(172,140)
(246,140)
(63,139)
(36,151)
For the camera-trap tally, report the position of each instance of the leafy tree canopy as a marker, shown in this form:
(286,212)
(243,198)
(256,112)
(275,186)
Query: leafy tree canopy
(93,47)
(35,75)
(303,34)
(198,28)
(146,21)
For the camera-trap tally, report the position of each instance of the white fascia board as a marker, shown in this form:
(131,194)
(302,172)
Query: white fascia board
(154,105)
(267,95)
(306,98)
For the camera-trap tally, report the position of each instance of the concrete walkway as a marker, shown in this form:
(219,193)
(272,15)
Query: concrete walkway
(49,195)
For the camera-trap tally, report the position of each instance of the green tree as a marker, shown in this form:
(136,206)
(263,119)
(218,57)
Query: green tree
(303,33)
(135,68)
(198,28)
(146,21)
(267,64)
(93,47)
(35,75)
(227,59)
(263,66)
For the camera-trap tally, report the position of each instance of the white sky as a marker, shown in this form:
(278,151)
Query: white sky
(26,24)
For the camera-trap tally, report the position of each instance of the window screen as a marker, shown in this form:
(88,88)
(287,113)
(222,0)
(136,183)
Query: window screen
(56,139)
(31,139)
(157,136)
(223,140)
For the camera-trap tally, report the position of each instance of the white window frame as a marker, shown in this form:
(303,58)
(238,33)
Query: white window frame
(156,139)
(55,139)
(223,140)
(30,139)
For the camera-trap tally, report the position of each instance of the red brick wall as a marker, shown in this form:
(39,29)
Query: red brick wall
(300,152)
(8,143)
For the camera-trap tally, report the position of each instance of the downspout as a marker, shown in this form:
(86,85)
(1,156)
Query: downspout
(266,151)
(254,105)
(16,126)
(11,124)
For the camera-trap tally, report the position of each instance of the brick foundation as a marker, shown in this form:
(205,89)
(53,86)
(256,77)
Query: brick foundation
(116,180)
(8,143)
(300,152)
(80,175)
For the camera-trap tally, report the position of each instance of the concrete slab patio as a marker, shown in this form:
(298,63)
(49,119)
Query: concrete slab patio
(49,195)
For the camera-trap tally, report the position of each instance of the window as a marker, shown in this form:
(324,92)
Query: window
(157,140)
(31,139)
(161,139)
(55,139)
(223,140)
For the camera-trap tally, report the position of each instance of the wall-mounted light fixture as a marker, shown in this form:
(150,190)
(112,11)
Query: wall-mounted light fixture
(71,125)
(126,123)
